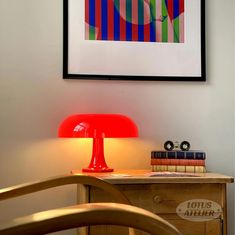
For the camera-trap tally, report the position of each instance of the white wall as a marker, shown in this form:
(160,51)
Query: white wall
(34,99)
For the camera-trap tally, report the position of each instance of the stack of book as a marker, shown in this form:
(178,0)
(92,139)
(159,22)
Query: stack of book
(178,161)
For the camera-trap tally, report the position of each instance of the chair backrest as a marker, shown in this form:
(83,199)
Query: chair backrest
(36,186)
(23,189)
(89,214)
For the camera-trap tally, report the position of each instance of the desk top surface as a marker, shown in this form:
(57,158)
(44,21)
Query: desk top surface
(148,177)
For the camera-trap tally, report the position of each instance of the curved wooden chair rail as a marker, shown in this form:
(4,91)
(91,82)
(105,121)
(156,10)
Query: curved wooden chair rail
(23,189)
(89,214)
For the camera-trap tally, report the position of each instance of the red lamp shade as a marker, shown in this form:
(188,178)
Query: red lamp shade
(98,126)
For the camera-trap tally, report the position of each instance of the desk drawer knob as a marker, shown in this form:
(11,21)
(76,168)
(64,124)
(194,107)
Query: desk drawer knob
(157,199)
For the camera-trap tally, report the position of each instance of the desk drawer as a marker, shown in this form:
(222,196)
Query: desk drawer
(163,198)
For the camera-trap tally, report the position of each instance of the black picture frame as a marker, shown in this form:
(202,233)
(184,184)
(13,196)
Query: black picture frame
(68,35)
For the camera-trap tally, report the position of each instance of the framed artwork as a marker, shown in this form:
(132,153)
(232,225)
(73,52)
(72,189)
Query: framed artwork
(134,40)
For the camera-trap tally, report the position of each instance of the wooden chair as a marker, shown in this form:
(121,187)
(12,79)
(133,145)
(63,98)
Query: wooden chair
(79,179)
(24,189)
(89,214)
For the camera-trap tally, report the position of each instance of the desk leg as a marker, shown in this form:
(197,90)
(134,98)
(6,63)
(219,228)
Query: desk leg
(82,197)
(224,207)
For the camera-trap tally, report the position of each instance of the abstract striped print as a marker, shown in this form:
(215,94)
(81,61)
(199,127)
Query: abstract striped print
(135,20)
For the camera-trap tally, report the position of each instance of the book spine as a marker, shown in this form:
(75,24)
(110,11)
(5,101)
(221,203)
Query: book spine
(182,162)
(176,168)
(178,155)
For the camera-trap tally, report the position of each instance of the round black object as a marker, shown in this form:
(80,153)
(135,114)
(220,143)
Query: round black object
(168,145)
(185,146)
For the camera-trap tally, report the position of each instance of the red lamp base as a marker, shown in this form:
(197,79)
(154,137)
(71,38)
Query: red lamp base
(97,163)
(95,170)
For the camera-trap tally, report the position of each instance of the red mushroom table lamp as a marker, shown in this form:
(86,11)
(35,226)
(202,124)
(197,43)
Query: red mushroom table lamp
(98,127)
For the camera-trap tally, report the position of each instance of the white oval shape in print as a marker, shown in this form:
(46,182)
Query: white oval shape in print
(199,210)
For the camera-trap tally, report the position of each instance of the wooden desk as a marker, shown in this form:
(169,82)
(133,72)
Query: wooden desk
(162,195)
